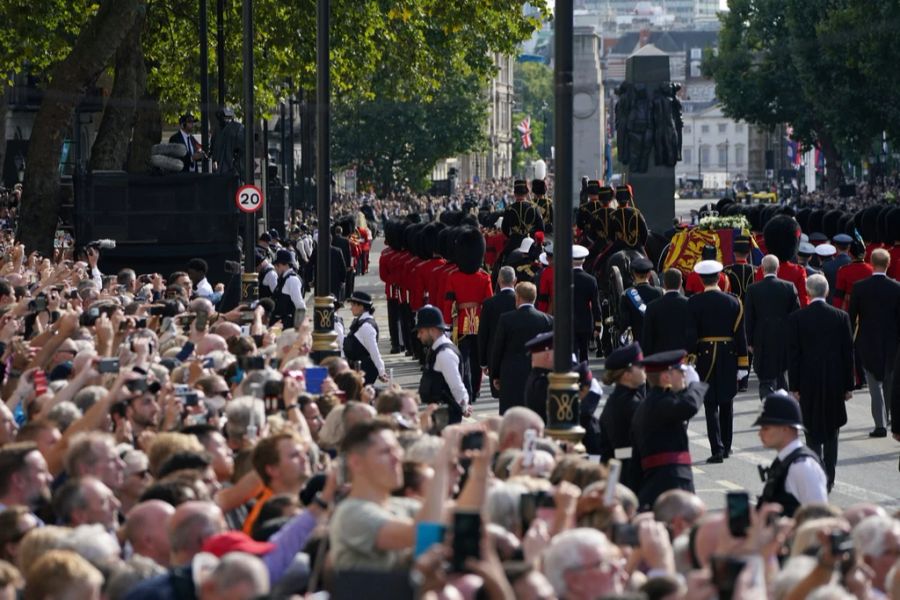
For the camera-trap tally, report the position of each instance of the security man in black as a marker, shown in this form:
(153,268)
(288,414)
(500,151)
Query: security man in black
(633,304)
(796,476)
(442,380)
(288,294)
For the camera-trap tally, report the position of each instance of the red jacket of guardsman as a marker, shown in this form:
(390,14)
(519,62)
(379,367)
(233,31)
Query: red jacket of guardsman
(846,277)
(694,285)
(384,271)
(782,239)
(468,287)
(894,268)
(545,290)
(871,247)
(494,244)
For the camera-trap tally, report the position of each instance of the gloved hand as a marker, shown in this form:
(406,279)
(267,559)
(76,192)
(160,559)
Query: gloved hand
(742,373)
(690,374)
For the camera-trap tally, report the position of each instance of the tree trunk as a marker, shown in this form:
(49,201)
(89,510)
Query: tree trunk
(110,150)
(4,104)
(93,49)
(834,172)
(147,131)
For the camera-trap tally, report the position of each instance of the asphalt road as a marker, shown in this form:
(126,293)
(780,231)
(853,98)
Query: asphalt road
(867,469)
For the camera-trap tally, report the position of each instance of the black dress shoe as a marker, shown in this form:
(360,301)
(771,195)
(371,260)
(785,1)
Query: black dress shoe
(715,459)
(726,454)
(395,350)
(878,432)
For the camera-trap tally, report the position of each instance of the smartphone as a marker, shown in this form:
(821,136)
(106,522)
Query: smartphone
(191,399)
(427,535)
(137,385)
(527,509)
(273,396)
(185,320)
(181,389)
(466,539)
(738,507)
(201,320)
(625,534)
(40,304)
(529,444)
(314,378)
(40,382)
(247,317)
(108,365)
(615,471)
(474,440)
(158,310)
(87,319)
(546,507)
(252,363)
(840,543)
(141,323)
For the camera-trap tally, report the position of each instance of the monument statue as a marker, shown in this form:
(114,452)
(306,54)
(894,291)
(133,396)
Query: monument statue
(648,119)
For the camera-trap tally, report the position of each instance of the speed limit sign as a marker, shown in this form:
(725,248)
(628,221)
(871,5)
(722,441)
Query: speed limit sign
(249,198)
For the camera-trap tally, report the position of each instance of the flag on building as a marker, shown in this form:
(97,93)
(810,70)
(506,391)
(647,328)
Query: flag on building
(525,129)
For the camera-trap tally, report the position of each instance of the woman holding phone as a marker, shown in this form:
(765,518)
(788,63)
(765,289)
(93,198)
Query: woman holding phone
(361,341)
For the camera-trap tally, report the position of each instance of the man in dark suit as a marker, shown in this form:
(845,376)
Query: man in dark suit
(587,317)
(502,302)
(185,136)
(875,314)
(767,305)
(633,304)
(667,323)
(339,241)
(510,362)
(820,370)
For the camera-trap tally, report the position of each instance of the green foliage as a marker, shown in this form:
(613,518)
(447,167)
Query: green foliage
(534,97)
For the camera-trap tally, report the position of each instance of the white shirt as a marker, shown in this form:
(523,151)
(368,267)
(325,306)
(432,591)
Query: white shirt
(97,276)
(811,300)
(204,289)
(369,339)
(293,287)
(271,280)
(806,480)
(447,364)
(339,330)
(189,143)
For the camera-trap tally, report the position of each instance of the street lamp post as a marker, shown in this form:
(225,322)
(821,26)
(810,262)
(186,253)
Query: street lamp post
(699,155)
(204,83)
(727,194)
(562,396)
(324,337)
(248,279)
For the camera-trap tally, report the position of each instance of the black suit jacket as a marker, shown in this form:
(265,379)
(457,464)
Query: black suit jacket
(188,159)
(875,316)
(767,305)
(585,302)
(510,362)
(820,365)
(502,302)
(668,325)
(343,244)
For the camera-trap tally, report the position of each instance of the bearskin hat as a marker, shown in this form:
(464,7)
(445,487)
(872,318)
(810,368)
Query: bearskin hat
(893,225)
(857,219)
(787,210)
(869,225)
(845,224)
(428,238)
(768,212)
(418,241)
(732,209)
(409,234)
(469,252)
(446,243)
(815,221)
(884,235)
(469,221)
(391,229)
(754,216)
(782,236)
(414,218)
(451,218)
(830,222)
(722,203)
(538,187)
(803,219)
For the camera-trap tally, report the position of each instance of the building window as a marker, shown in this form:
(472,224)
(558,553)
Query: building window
(687,155)
(686,130)
(696,53)
(704,156)
(704,129)
(739,128)
(723,127)
(739,155)
(723,154)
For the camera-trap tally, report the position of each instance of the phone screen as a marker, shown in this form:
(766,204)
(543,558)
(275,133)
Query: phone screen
(738,505)
(427,535)
(466,538)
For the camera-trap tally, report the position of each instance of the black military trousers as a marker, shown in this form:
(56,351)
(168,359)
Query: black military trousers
(717,366)
(582,343)
(826,446)
(468,350)
(406,327)
(393,310)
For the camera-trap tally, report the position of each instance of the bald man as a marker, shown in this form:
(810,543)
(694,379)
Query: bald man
(146,529)
(210,343)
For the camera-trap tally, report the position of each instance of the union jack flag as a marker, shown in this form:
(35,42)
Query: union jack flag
(525,129)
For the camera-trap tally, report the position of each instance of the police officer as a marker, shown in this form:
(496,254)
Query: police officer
(659,429)
(288,293)
(266,277)
(442,380)
(721,351)
(633,304)
(361,341)
(796,476)
(623,369)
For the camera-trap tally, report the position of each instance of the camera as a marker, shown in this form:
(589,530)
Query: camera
(102,244)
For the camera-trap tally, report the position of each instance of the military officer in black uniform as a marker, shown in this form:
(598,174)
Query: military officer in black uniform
(442,380)
(633,304)
(741,275)
(721,354)
(540,347)
(521,219)
(796,476)
(361,341)
(586,304)
(595,218)
(288,294)
(544,204)
(659,429)
(623,369)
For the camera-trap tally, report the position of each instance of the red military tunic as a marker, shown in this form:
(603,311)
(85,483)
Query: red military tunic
(870,247)
(894,268)
(404,276)
(440,287)
(694,285)
(385,272)
(494,245)
(846,277)
(464,294)
(545,290)
(794,273)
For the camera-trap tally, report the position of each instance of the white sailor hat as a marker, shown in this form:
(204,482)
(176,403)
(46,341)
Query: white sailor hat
(579,252)
(708,267)
(807,249)
(804,238)
(548,247)
(825,250)
(499,223)
(543,259)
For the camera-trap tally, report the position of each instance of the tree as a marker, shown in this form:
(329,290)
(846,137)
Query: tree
(534,97)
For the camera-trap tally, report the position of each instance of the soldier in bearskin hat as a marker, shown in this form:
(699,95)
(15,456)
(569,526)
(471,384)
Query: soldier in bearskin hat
(544,203)
(465,291)
(782,238)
